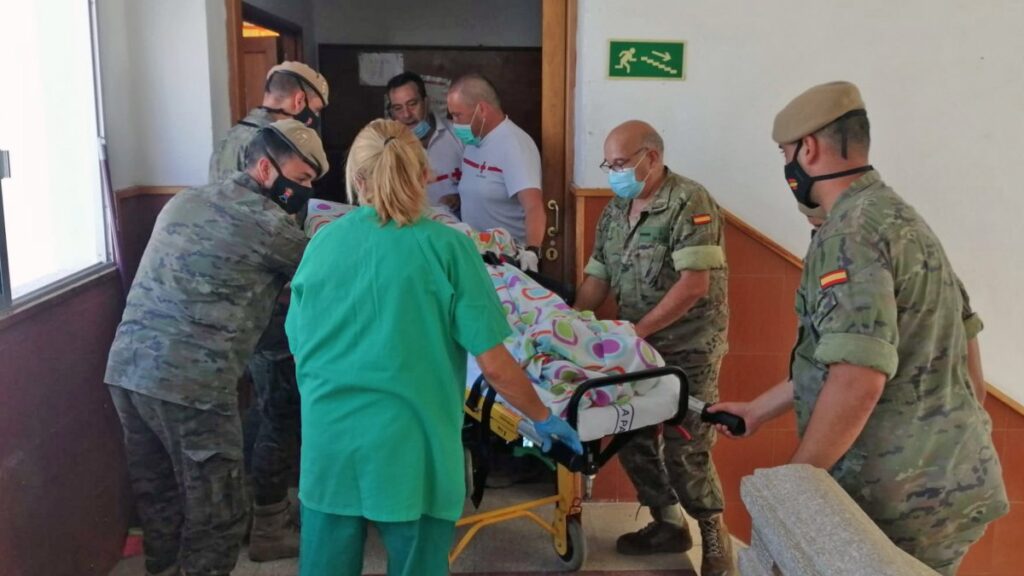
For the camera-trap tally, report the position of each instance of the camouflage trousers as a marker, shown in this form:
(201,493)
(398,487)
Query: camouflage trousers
(667,468)
(275,426)
(940,545)
(185,467)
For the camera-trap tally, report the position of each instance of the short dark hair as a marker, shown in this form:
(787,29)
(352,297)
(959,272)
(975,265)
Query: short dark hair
(267,143)
(283,84)
(405,78)
(851,130)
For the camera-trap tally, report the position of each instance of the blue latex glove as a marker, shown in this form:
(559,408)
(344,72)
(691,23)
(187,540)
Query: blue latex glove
(554,428)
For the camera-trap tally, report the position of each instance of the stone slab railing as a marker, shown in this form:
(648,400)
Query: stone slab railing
(804,524)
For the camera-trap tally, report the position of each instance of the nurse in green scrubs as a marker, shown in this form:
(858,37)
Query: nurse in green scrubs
(384,308)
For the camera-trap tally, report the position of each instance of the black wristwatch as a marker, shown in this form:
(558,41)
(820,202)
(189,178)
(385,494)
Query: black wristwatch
(534,249)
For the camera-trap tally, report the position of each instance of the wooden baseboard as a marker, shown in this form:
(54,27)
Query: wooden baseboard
(765,241)
(133,191)
(590,192)
(1005,399)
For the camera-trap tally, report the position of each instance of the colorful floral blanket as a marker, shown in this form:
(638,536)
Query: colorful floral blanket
(559,347)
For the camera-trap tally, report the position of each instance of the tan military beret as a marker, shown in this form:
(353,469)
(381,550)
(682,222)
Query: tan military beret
(305,142)
(817,213)
(310,77)
(814,109)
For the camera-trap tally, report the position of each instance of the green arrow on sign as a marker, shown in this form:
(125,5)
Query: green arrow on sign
(643,59)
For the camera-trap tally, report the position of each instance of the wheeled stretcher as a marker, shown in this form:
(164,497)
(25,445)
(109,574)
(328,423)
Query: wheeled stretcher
(666,402)
(575,473)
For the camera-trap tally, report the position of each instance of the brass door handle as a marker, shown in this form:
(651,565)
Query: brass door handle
(554,230)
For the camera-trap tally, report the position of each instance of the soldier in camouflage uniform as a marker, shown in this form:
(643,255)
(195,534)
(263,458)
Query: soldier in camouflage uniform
(292,90)
(217,259)
(885,376)
(660,251)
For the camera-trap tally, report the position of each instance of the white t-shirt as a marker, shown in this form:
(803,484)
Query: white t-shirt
(444,152)
(505,163)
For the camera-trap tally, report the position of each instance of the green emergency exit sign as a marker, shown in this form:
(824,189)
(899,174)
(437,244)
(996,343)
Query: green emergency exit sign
(642,59)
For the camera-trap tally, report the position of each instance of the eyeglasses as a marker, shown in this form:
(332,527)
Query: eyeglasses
(411,105)
(620,165)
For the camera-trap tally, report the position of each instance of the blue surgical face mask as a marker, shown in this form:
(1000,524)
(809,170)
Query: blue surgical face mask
(422,129)
(464,132)
(624,183)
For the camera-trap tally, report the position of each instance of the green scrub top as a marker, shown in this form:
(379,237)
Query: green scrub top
(380,322)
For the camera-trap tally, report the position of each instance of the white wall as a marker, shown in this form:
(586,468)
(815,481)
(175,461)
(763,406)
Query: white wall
(164,88)
(944,87)
(117,65)
(433,23)
(217,59)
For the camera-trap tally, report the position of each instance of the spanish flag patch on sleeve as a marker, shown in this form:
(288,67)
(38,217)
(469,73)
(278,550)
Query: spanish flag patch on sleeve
(834,277)
(701,219)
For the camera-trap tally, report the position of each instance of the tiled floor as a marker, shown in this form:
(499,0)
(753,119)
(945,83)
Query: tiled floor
(515,547)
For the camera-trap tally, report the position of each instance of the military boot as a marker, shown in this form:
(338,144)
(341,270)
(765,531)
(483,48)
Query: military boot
(716,547)
(667,533)
(274,535)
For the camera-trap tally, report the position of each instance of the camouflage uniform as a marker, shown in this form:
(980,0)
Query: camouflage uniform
(229,157)
(878,291)
(681,229)
(276,423)
(218,257)
(170,446)
(273,425)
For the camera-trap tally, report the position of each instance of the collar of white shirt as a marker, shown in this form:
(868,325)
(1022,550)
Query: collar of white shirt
(499,128)
(440,125)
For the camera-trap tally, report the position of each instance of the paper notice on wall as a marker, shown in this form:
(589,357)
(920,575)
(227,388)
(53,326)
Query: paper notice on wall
(437,91)
(376,68)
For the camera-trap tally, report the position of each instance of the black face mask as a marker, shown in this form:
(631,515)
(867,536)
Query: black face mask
(306,116)
(800,182)
(287,193)
(309,118)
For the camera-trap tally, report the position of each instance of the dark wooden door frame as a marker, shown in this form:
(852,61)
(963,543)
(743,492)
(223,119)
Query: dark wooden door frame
(558,73)
(237,12)
(558,79)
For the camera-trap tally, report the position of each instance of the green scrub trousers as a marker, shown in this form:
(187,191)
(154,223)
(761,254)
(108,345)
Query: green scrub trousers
(332,545)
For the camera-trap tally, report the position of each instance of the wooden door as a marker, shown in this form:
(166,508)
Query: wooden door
(557,40)
(259,55)
(291,46)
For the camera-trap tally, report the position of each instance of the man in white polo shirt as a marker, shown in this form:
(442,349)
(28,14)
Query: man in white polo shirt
(500,186)
(408,104)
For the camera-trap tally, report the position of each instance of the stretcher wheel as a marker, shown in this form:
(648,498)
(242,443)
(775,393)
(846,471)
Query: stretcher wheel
(576,540)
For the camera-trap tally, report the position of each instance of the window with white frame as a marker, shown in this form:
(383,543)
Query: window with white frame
(54,225)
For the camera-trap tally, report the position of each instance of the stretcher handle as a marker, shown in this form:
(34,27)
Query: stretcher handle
(616,379)
(736,425)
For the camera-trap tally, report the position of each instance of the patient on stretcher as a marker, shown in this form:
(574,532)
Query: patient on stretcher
(559,347)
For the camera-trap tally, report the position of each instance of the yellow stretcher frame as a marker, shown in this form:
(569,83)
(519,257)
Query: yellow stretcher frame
(566,527)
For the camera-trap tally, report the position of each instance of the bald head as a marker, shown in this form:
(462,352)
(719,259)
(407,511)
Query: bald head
(636,134)
(636,144)
(473,89)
